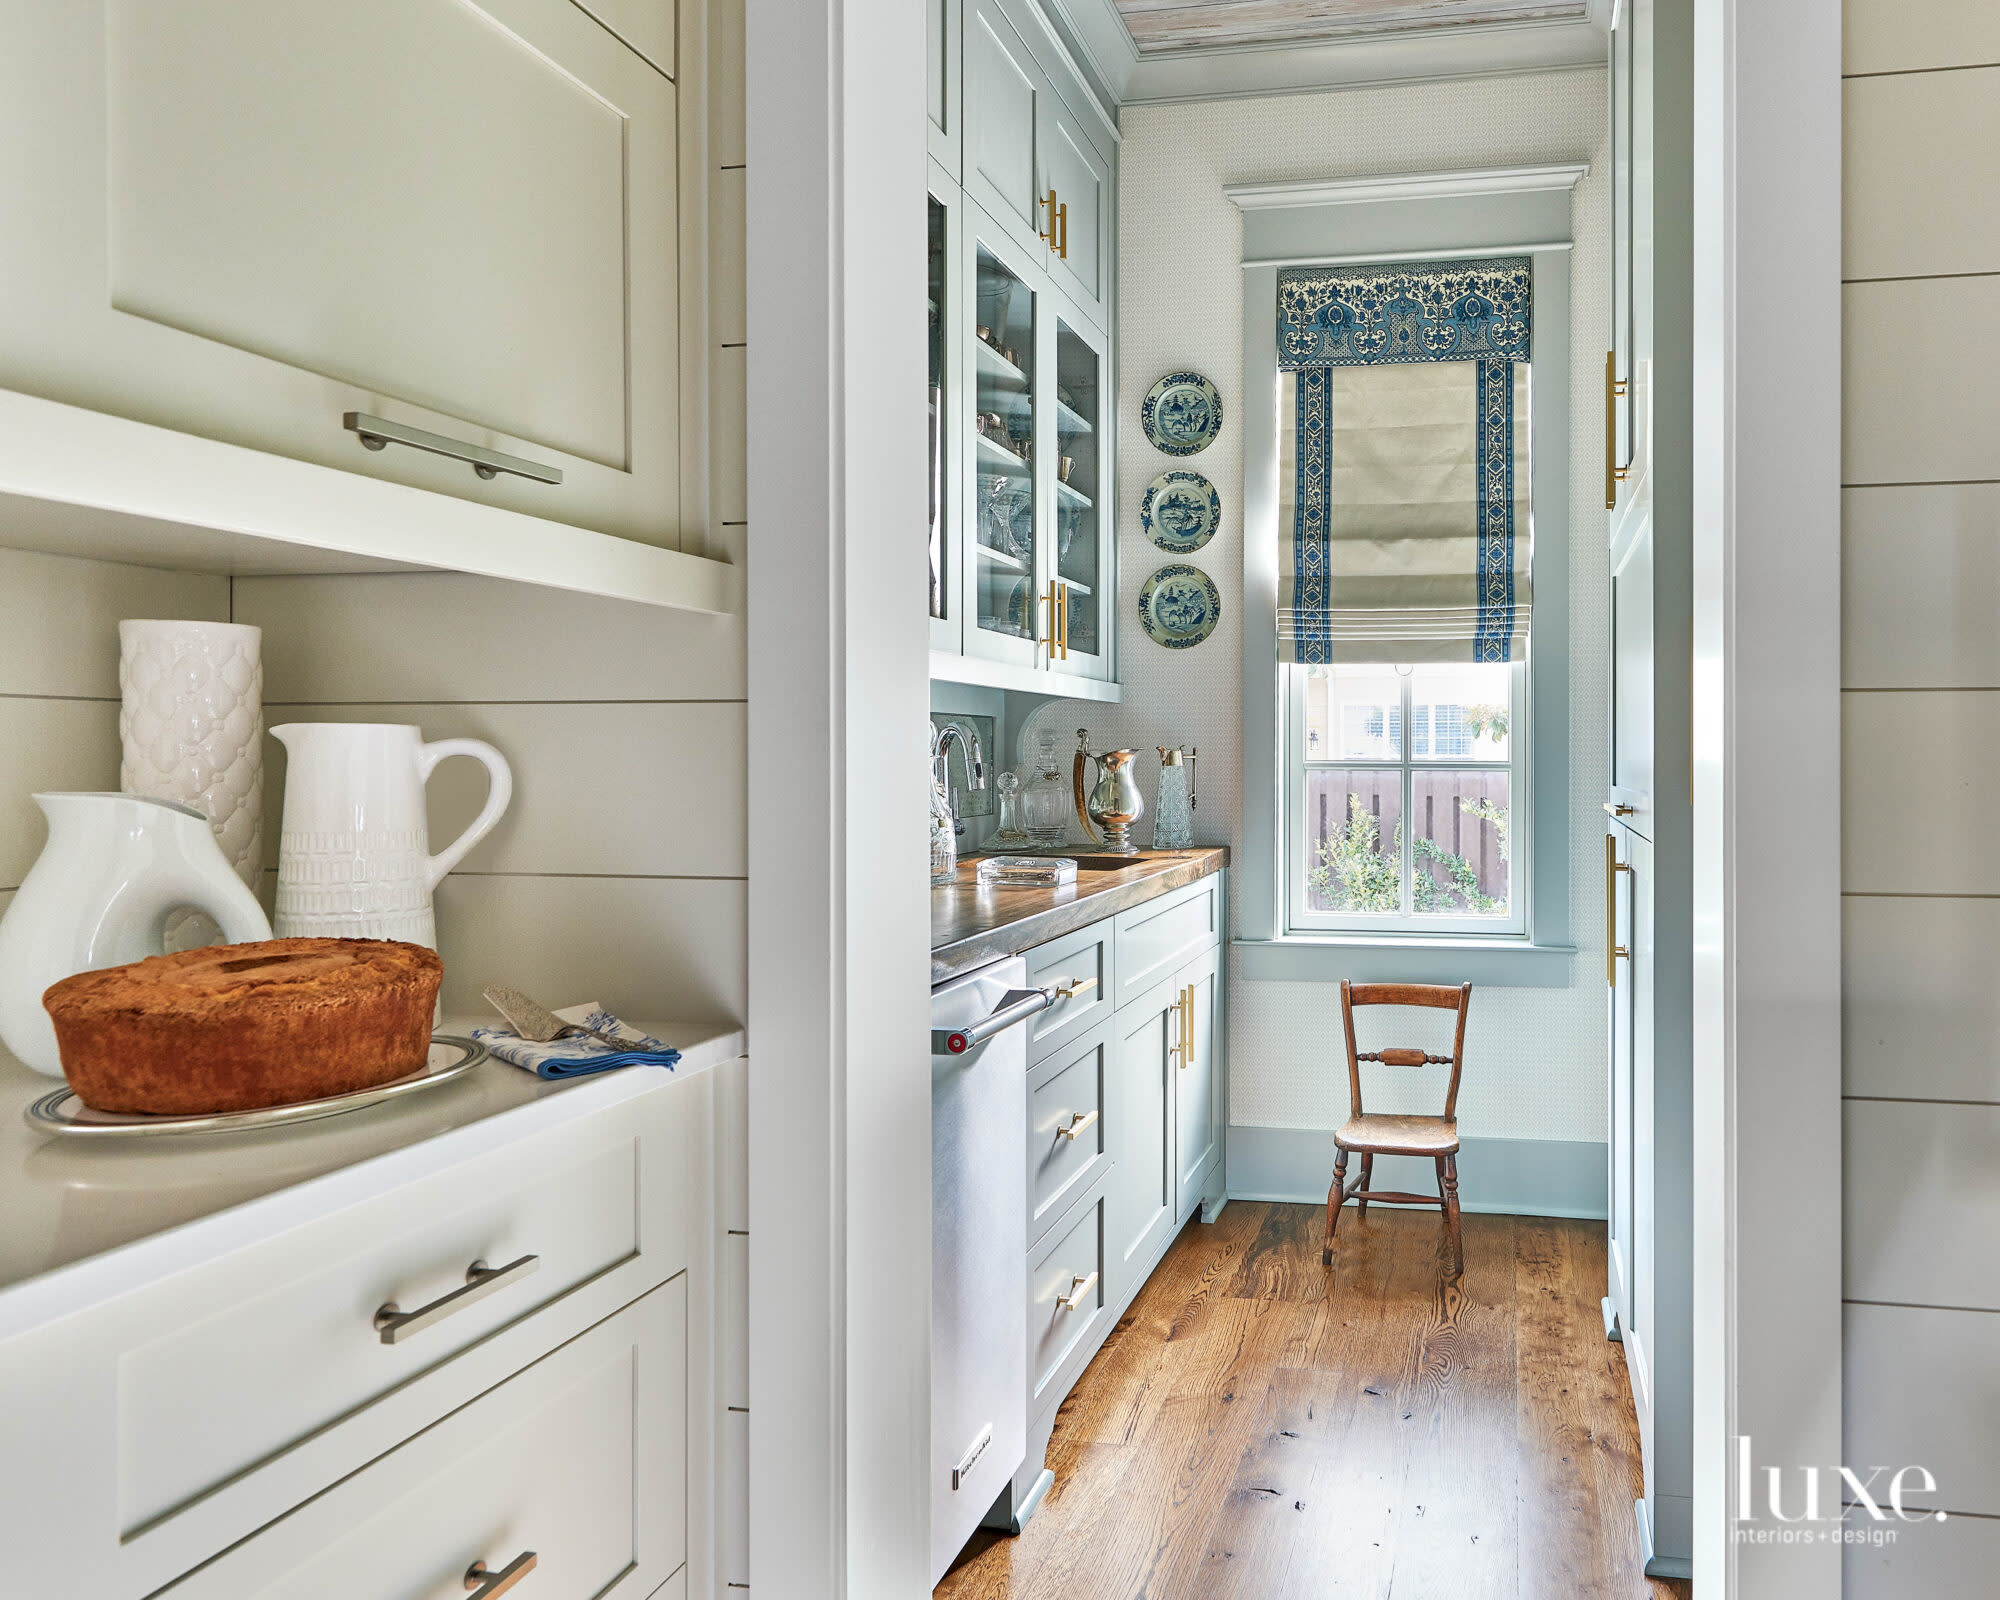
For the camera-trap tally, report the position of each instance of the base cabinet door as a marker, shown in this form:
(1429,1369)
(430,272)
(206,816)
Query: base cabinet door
(1139,1100)
(1618,977)
(575,1469)
(246,221)
(1197,1085)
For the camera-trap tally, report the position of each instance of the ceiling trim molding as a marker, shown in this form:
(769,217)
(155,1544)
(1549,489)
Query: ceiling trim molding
(1405,186)
(1384,257)
(1470,50)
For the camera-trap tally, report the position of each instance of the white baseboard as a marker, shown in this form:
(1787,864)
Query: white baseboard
(1514,1177)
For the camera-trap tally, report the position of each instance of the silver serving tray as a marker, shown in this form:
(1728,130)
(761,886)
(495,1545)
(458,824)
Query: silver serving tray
(62,1112)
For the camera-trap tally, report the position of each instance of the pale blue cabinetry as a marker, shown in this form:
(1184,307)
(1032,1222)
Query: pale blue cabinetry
(1022,194)
(1126,1103)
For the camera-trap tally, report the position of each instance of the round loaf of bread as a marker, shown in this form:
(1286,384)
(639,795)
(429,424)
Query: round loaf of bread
(236,1027)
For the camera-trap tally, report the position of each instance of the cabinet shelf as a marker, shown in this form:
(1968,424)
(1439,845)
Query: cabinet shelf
(991,449)
(1065,495)
(82,483)
(1070,421)
(996,368)
(1000,558)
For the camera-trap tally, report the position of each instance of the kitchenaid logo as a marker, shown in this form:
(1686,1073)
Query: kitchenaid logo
(1804,1505)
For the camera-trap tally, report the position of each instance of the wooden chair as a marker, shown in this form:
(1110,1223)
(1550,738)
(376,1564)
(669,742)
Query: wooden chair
(1372,1135)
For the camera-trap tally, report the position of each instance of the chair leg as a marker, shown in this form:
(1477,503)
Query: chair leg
(1448,1189)
(1334,1198)
(1367,1180)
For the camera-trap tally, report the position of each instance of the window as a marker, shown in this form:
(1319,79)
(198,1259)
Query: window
(1401,789)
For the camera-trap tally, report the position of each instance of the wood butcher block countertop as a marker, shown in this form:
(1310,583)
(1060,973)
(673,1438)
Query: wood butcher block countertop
(972,926)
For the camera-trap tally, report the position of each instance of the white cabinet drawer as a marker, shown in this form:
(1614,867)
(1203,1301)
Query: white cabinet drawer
(581,1460)
(1082,957)
(1156,938)
(1066,1302)
(175,1420)
(1067,1142)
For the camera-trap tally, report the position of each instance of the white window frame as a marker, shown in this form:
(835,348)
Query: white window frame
(1516,211)
(1301,919)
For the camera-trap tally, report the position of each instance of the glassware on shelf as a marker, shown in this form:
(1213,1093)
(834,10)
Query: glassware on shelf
(1004,533)
(1076,486)
(1047,796)
(1173,811)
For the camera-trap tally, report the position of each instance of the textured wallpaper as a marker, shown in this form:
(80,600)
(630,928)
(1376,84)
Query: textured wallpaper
(1536,1058)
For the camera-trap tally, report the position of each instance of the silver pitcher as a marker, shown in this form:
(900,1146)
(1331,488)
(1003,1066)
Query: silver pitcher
(1114,803)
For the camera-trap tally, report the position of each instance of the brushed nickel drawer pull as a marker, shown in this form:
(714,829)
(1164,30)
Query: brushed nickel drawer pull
(395,1324)
(1078,1123)
(376,433)
(1078,1288)
(486,1584)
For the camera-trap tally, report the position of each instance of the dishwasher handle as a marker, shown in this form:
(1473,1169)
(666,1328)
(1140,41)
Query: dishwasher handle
(1017,1005)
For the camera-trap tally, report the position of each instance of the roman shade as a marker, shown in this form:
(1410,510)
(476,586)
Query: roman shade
(1403,472)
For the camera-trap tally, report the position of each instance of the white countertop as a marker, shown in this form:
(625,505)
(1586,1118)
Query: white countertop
(66,1201)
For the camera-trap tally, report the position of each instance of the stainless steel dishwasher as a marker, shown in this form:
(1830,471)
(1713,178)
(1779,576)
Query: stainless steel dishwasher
(979,1245)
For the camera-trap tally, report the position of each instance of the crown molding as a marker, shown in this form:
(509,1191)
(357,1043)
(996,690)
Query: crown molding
(1405,186)
(1097,35)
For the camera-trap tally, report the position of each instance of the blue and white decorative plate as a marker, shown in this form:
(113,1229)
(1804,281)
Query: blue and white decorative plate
(1181,511)
(1179,606)
(1182,414)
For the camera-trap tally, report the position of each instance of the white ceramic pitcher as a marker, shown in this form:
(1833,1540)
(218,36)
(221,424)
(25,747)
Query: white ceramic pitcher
(99,895)
(354,855)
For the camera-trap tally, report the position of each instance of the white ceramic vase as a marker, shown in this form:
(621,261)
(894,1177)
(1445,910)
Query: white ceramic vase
(191,721)
(354,857)
(114,870)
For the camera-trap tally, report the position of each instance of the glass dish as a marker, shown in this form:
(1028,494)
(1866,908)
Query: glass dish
(1027,872)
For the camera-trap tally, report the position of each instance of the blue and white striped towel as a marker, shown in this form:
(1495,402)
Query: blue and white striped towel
(580,1054)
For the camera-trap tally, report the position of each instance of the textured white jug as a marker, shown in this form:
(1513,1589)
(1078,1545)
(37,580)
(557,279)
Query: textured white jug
(191,721)
(354,857)
(99,895)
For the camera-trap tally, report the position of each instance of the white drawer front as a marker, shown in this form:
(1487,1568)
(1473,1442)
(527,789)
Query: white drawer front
(1156,938)
(1067,1144)
(175,1420)
(215,1395)
(581,1460)
(1066,1302)
(1083,959)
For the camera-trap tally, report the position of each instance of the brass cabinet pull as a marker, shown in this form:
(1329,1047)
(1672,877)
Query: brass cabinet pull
(396,1325)
(1613,391)
(1613,809)
(1070,988)
(1077,1124)
(1048,233)
(1062,230)
(1613,950)
(486,1584)
(1053,637)
(1065,621)
(1187,1026)
(1078,1288)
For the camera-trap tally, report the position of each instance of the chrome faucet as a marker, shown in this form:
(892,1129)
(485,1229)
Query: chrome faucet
(967,738)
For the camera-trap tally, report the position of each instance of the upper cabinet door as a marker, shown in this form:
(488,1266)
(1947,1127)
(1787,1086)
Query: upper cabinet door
(1080,180)
(1004,91)
(946,23)
(243,221)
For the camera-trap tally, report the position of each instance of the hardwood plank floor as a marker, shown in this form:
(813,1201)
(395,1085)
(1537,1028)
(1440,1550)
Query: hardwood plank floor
(1261,1427)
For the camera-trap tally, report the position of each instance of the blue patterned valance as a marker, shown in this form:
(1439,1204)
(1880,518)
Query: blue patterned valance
(1404,311)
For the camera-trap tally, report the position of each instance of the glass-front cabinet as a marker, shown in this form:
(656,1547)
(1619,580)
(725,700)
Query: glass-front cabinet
(1023,569)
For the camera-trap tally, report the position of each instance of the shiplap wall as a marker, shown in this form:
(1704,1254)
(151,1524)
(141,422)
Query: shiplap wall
(1921,764)
(59,679)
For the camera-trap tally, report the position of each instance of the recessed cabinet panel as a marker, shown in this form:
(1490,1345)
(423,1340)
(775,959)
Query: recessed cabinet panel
(1082,182)
(944,55)
(243,222)
(1067,1150)
(580,1460)
(1632,676)
(1139,1197)
(1197,1084)
(1067,1300)
(1003,89)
